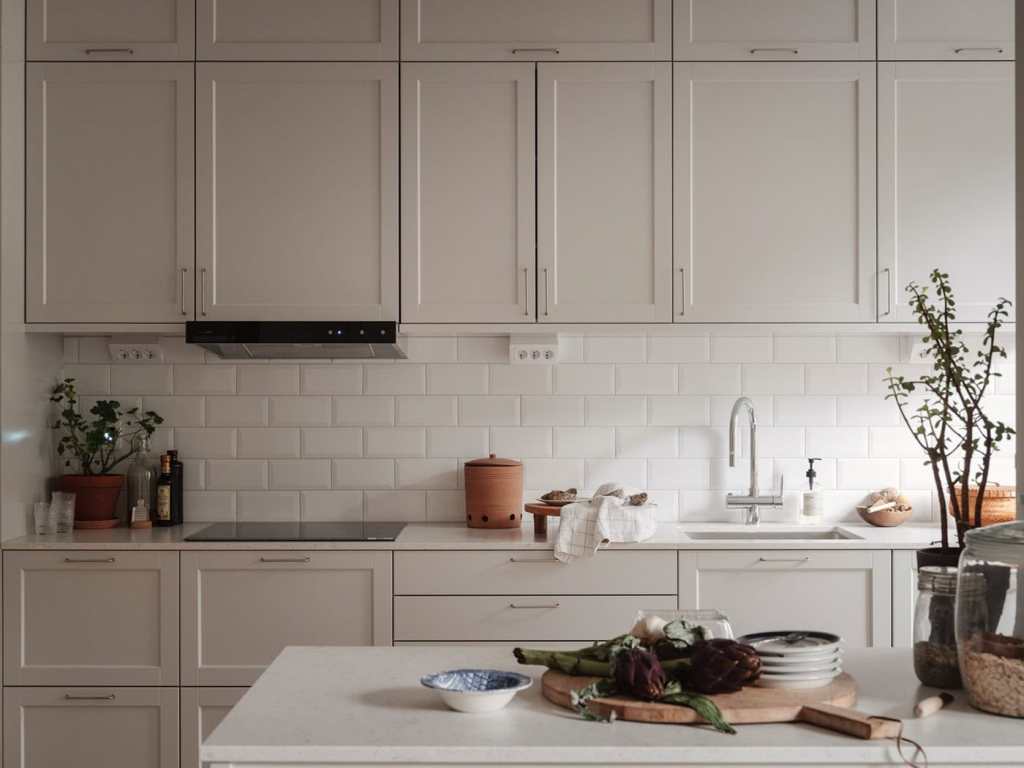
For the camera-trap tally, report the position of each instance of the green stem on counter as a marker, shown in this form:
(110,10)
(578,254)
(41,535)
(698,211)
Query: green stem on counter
(580,663)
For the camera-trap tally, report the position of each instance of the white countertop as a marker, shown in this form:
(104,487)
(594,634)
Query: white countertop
(333,706)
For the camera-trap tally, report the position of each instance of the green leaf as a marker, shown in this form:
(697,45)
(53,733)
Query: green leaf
(704,707)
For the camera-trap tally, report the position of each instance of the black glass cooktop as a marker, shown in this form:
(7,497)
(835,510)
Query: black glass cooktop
(298,532)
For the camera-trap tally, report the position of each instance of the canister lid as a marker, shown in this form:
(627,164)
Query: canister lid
(493,461)
(1002,543)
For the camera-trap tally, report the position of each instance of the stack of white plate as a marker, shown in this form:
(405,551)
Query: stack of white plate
(797,659)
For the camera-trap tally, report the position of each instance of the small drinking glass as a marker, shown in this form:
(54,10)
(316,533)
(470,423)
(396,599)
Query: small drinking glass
(44,520)
(63,511)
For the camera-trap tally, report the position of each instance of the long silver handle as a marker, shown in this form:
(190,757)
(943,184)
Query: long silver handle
(682,291)
(520,607)
(202,291)
(80,697)
(91,51)
(181,290)
(546,289)
(978,50)
(888,291)
(90,559)
(536,50)
(285,559)
(526,291)
(783,559)
(524,561)
(793,51)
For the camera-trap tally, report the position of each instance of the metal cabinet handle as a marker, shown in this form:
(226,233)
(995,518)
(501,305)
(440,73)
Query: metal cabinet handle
(77,697)
(524,561)
(536,50)
(90,559)
(91,51)
(783,559)
(546,292)
(888,291)
(202,291)
(793,51)
(520,607)
(285,559)
(682,291)
(980,50)
(526,291)
(181,290)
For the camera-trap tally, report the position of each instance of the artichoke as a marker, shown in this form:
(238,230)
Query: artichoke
(722,666)
(638,673)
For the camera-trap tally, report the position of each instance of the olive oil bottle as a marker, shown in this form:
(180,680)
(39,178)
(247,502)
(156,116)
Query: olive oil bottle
(164,513)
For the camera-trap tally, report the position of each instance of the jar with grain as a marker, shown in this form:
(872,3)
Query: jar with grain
(935,660)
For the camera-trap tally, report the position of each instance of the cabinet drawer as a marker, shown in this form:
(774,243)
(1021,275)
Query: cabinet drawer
(202,709)
(90,618)
(531,572)
(514,618)
(240,609)
(957,30)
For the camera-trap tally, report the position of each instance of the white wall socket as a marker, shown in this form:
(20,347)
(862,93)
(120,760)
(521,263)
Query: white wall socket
(533,350)
(135,349)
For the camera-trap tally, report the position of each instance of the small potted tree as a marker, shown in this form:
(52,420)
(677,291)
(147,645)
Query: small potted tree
(945,411)
(95,447)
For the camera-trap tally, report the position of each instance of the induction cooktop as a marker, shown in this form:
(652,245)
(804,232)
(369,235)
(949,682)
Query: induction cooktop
(298,532)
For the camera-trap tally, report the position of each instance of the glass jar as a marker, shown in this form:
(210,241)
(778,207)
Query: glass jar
(990,619)
(142,474)
(935,661)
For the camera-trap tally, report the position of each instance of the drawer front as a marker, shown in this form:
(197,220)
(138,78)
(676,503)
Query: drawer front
(90,618)
(240,609)
(531,572)
(520,618)
(202,709)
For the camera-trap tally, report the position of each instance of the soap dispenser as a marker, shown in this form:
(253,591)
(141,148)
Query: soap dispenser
(812,502)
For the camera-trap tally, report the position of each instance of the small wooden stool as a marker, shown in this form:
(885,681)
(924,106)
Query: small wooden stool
(541,513)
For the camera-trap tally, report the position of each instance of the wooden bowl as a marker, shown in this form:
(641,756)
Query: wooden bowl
(885,518)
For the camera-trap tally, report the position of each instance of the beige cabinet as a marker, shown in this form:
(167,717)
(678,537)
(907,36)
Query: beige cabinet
(945,29)
(774,30)
(90,618)
(946,185)
(904,597)
(524,30)
(240,609)
(297,191)
(109,193)
(91,727)
(202,709)
(468,233)
(847,592)
(105,30)
(300,30)
(775,192)
(604,192)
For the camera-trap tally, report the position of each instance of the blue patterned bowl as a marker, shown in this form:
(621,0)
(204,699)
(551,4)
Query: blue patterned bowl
(477,690)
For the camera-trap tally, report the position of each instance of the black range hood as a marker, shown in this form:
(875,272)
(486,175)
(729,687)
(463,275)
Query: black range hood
(244,340)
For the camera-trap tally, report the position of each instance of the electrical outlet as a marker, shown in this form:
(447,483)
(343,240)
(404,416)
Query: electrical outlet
(136,349)
(533,350)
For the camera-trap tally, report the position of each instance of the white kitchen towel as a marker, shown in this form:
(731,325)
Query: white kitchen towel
(583,526)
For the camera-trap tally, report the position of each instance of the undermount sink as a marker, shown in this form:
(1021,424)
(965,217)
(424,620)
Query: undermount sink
(832,534)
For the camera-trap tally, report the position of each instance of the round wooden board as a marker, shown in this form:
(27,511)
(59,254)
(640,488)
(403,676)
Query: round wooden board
(541,513)
(750,705)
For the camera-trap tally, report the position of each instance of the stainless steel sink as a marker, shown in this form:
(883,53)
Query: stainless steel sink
(832,534)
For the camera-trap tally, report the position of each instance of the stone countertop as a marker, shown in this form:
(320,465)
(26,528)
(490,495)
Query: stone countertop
(455,536)
(333,706)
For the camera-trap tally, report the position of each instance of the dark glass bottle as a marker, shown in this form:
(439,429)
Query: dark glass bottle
(177,489)
(163,515)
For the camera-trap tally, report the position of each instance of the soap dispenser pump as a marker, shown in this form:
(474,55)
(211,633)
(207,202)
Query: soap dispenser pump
(812,503)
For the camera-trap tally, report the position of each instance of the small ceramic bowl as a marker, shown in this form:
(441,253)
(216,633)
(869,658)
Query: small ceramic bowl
(885,518)
(477,690)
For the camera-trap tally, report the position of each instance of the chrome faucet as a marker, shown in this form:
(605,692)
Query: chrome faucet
(753,499)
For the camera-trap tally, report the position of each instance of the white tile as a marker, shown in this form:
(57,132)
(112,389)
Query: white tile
(869,349)
(204,379)
(877,375)
(555,411)
(646,442)
(705,506)
(722,477)
(395,379)
(678,410)
(712,379)
(521,379)
(1005,376)
(193,472)
(268,379)
(489,411)
(740,349)
(521,442)
(216,443)
(86,403)
(457,379)
(678,474)
(837,442)
(703,442)
(868,474)
(630,473)
(300,474)
(141,379)
(722,405)
(483,349)
(551,474)
(93,349)
(453,442)
(624,410)
(678,349)
(177,410)
(795,472)
(867,411)
(805,349)
(426,411)
(836,379)
(614,349)
(177,351)
(300,411)
(430,349)
(784,442)
(331,379)
(397,506)
(428,474)
(584,442)
(364,410)
(364,473)
(272,443)
(446,506)
(332,506)
(236,411)
(585,379)
(654,379)
(570,349)
(236,475)
(395,442)
(209,506)
(894,442)
(805,411)
(915,475)
(332,443)
(667,505)
(773,379)
(1001,408)
(89,379)
(268,506)
(70,353)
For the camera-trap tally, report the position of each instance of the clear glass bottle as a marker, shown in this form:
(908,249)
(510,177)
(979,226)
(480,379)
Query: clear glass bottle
(935,659)
(141,474)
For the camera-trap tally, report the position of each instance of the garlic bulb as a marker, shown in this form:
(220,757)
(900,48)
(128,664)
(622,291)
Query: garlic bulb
(649,628)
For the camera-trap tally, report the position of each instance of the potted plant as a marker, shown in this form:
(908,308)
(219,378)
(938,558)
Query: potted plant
(95,447)
(945,411)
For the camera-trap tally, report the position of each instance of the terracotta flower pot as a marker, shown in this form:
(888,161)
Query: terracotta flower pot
(999,504)
(95,498)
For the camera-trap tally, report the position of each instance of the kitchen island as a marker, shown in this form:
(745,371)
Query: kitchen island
(364,706)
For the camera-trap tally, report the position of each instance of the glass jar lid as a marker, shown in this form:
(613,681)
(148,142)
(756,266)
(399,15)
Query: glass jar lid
(940,579)
(998,543)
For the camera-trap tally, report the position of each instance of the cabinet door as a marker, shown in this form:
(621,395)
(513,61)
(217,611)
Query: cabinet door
(240,609)
(110,30)
(945,29)
(518,30)
(109,193)
(946,184)
(775,192)
(297,191)
(301,30)
(91,727)
(904,597)
(847,593)
(202,709)
(90,618)
(774,30)
(468,235)
(604,193)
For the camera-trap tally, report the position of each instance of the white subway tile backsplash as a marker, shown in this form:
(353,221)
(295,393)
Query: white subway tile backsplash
(141,379)
(489,410)
(457,379)
(806,411)
(586,379)
(336,442)
(236,475)
(521,379)
(363,473)
(300,474)
(365,410)
(838,442)
(646,442)
(550,474)
(331,380)
(782,442)
(710,379)
(734,349)
(204,379)
(678,349)
(177,351)
(268,443)
(238,411)
(556,411)
(653,379)
(332,506)
(268,379)
(395,442)
(703,442)
(678,474)
(300,411)
(868,474)
(70,354)
(395,379)
(866,411)
(585,442)
(396,506)
(177,410)
(483,349)
(93,349)
(631,473)
(570,349)
(805,349)
(89,379)
(264,506)
(453,442)
(679,411)
(915,475)
(218,443)
(194,471)
(868,349)
(893,442)
(426,411)
(521,442)
(614,349)
(621,410)
(773,379)
(209,506)
(722,477)
(429,349)
(721,410)
(795,472)
(437,474)
(837,379)
(446,507)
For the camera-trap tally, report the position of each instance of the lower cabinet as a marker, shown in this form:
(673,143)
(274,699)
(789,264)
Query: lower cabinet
(202,709)
(904,597)
(91,727)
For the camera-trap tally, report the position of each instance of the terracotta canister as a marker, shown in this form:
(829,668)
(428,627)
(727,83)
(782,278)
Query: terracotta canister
(494,493)
(999,505)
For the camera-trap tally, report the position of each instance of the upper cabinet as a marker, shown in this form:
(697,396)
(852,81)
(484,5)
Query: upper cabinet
(110,30)
(526,30)
(945,192)
(775,30)
(301,30)
(297,191)
(775,192)
(109,192)
(945,29)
